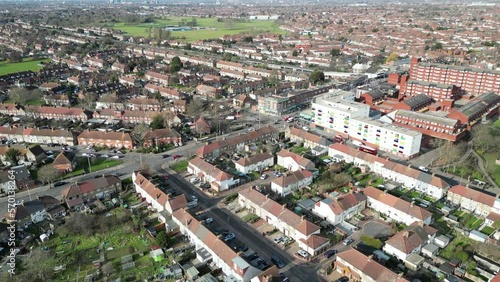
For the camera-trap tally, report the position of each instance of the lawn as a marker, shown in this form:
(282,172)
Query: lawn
(487,230)
(457,249)
(98,164)
(214,29)
(27,64)
(180,166)
(299,150)
(493,168)
(370,241)
(414,194)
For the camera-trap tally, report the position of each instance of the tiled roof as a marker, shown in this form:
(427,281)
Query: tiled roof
(369,267)
(397,203)
(90,185)
(300,160)
(210,169)
(411,238)
(158,195)
(315,241)
(292,177)
(472,194)
(292,219)
(63,158)
(320,140)
(254,159)
(99,135)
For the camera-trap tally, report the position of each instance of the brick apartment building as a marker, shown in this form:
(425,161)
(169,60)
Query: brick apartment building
(437,91)
(475,81)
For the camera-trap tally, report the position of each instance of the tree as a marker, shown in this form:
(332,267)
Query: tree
(158,122)
(194,108)
(13,156)
(162,239)
(19,95)
(392,57)
(437,46)
(139,133)
(295,53)
(15,57)
(47,174)
(39,267)
(175,64)
(317,76)
(335,52)
(486,138)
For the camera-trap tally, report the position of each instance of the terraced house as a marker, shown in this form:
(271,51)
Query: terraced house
(109,139)
(79,194)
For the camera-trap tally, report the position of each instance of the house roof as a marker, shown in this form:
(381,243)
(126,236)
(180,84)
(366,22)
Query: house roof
(315,242)
(300,160)
(338,206)
(472,194)
(90,186)
(100,135)
(292,219)
(397,203)
(158,195)
(210,169)
(254,159)
(163,133)
(63,158)
(292,177)
(36,150)
(411,238)
(369,267)
(300,133)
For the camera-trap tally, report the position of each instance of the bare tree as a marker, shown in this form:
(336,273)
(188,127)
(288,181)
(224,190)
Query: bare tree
(194,108)
(39,266)
(19,95)
(139,133)
(47,174)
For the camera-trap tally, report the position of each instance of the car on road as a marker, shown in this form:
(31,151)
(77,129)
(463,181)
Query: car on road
(209,220)
(330,253)
(165,156)
(175,157)
(278,239)
(277,261)
(283,277)
(229,237)
(85,155)
(303,253)
(347,242)
(115,157)
(263,176)
(343,279)
(60,183)
(423,168)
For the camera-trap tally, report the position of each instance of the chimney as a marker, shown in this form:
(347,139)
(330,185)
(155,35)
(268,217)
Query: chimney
(303,217)
(409,165)
(284,205)
(22,203)
(406,234)
(385,192)
(370,257)
(412,203)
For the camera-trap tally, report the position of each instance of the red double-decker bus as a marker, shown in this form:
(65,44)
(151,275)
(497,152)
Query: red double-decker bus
(368,150)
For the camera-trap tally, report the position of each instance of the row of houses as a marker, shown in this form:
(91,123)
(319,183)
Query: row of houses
(209,248)
(152,138)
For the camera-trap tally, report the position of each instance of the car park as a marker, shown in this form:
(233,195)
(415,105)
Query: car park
(303,253)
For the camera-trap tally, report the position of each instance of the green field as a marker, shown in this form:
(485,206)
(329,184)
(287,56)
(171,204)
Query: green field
(27,64)
(492,167)
(216,29)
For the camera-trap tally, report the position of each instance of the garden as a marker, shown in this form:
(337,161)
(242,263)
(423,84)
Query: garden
(27,64)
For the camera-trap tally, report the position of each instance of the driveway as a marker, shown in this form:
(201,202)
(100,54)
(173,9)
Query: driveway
(377,229)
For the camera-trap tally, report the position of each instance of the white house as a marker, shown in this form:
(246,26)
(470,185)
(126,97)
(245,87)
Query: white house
(257,162)
(155,196)
(286,221)
(395,208)
(218,179)
(291,181)
(472,200)
(294,162)
(336,211)
(426,183)
(409,241)
(234,267)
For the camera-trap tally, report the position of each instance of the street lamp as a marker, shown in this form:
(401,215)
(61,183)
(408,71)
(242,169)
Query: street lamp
(88,160)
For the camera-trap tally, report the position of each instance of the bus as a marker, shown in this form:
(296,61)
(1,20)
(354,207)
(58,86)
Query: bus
(338,138)
(368,150)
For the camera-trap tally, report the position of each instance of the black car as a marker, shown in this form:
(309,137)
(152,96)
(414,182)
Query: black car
(283,277)
(277,261)
(343,279)
(166,156)
(60,183)
(330,253)
(240,248)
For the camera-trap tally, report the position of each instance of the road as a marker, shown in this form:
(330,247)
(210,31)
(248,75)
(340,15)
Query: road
(295,269)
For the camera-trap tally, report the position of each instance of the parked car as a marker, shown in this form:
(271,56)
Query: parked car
(209,220)
(263,176)
(343,279)
(286,240)
(229,237)
(241,248)
(283,277)
(330,253)
(347,242)
(278,239)
(166,156)
(303,253)
(60,183)
(277,261)
(175,157)
(423,168)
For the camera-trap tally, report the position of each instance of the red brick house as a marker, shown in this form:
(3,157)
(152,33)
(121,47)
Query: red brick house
(65,162)
(201,126)
(163,136)
(79,194)
(109,139)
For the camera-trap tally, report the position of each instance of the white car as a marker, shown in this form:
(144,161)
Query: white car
(84,154)
(209,220)
(194,180)
(278,239)
(423,168)
(115,157)
(303,253)
(305,128)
